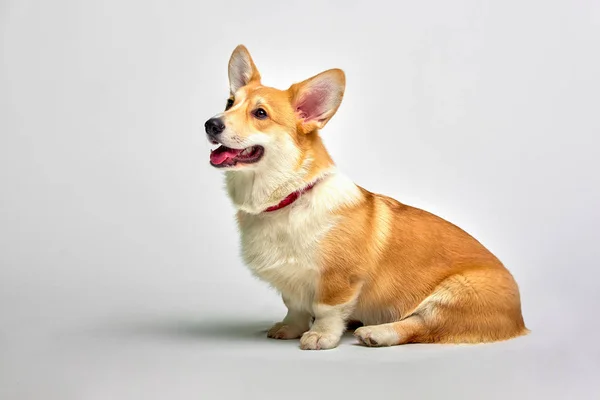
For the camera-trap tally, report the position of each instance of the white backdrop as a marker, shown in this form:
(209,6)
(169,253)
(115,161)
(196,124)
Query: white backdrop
(119,267)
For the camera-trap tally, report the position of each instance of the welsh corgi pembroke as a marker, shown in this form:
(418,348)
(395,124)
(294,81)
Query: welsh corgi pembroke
(336,252)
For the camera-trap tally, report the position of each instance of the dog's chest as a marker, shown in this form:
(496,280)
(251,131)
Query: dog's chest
(282,249)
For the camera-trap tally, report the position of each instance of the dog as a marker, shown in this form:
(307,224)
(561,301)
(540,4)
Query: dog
(338,253)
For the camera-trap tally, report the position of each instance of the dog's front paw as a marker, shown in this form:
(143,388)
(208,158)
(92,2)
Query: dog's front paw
(284,331)
(318,341)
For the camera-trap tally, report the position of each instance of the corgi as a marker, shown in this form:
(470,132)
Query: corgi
(337,253)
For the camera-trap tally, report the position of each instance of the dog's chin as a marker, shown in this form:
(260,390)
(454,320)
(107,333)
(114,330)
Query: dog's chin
(224,157)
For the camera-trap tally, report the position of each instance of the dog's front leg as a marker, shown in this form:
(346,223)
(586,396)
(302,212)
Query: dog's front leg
(295,323)
(329,325)
(332,307)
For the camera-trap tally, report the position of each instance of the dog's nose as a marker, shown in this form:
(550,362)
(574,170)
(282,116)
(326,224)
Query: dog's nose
(214,126)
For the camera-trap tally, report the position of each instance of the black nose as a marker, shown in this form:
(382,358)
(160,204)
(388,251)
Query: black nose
(214,126)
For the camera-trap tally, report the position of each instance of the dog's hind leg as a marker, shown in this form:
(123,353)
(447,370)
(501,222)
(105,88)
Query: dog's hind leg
(391,334)
(464,308)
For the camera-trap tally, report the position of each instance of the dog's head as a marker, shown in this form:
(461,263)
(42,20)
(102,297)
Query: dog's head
(269,131)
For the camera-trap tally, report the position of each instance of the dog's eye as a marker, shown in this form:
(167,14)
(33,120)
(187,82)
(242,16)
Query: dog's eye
(260,113)
(229,104)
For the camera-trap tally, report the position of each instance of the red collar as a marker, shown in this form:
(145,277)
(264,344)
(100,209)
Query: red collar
(292,197)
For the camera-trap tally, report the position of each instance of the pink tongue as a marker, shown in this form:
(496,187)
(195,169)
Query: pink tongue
(222,154)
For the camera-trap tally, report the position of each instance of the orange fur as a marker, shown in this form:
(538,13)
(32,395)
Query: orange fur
(414,264)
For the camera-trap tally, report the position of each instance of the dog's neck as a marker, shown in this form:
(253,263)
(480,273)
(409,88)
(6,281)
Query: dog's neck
(254,192)
(291,198)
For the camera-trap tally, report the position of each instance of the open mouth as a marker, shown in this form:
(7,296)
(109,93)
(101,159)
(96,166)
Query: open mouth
(224,156)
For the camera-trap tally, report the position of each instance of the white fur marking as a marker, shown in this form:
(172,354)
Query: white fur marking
(280,247)
(378,335)
(329,325)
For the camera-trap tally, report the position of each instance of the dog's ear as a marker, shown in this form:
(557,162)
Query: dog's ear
(317,99)
(241,69)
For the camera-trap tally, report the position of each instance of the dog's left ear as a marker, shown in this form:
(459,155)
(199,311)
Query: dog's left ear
(317,99)
(241,69)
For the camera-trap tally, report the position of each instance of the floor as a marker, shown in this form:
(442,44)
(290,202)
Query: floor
(72,346)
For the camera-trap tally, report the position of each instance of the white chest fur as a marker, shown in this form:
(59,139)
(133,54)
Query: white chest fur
(282,247)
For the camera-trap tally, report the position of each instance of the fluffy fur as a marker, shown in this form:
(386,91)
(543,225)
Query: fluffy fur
(341,253)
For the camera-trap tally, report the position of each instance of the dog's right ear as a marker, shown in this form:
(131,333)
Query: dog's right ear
(241,69)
